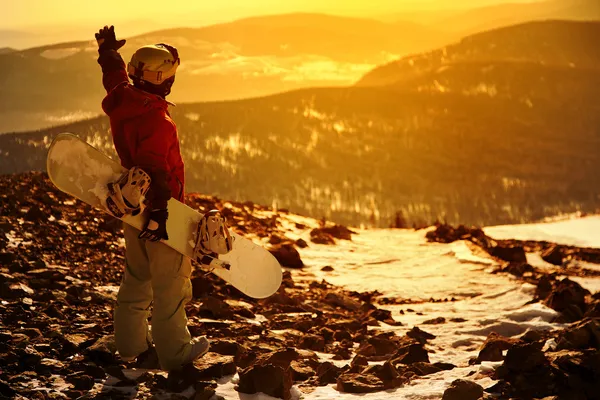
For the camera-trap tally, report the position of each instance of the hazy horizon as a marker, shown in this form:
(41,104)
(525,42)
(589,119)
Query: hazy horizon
(31,23)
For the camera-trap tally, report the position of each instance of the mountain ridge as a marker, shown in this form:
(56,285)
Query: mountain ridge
(516,43)
(465,135)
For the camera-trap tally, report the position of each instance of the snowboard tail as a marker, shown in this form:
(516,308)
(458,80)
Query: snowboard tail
(79,169)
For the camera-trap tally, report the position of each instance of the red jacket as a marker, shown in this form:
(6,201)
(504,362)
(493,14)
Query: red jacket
(143,132)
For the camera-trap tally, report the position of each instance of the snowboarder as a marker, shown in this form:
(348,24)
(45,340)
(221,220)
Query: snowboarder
(145,137)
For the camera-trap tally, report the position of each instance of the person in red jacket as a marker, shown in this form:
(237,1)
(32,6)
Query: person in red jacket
(145,136)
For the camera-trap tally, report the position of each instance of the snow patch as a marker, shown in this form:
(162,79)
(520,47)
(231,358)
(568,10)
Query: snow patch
(57,54)
(581,232)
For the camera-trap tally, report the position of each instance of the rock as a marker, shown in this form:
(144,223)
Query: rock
(518,268)
(435,321)
(568,297)
(181,379)
(360,360)
(212,307)
(312,342)
(48,366)
(445,233)
(201,286)
(386,373)
(81,382)
(327,373)
(282,358)
(410,353)
(35,214)
(93,370)
(379,314)
(327,334)
(327,268)
(534,335)
(358,383)
(377,347)
(341,300)
(301,371)
(581,335)
(444,366)
(277,239)
(6,278)
(33,333)
(336,231)
(287,255)
(593,310)
(341,353)
(29,357)
(544,287)
(15,290)
(419,335)
(271,380)
(280,297)
(341,335)
(204,391)
(103,351)
(320,237)
(301,243)
(582,369)
(54,312)
(511,253)
(554,255)
(423,368)
(213,365)
(111,225)
(287,280)
(301,322)
(7,258)
(494,345)
(6,390)
(463,390)
(227,348)
(524,357)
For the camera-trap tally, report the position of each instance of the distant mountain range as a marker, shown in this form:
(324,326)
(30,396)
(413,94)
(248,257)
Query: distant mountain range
(245,58)
(503,127)
(545,43)
(257,56)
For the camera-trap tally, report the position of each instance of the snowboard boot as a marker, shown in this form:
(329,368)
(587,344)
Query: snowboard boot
(212,235)
(126,194)
(200,347)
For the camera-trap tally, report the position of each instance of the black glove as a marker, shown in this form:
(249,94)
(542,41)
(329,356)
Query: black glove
(107,40)
(156,226)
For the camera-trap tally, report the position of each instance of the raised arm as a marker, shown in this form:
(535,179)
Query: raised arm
(114,71)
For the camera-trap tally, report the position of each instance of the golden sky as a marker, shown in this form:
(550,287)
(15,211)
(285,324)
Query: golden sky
(32,13)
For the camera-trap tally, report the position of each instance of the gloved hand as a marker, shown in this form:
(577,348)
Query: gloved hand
(156,226)
(107,40)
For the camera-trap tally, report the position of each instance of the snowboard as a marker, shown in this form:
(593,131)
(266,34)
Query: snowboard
(81,170)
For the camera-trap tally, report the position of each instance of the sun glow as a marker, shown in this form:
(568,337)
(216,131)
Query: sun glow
(31,13)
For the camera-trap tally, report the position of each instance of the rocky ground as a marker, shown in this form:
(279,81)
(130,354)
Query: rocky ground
(58,255)
(562,364)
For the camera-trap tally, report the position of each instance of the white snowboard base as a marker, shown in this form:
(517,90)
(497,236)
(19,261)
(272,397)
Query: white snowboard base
(81,170)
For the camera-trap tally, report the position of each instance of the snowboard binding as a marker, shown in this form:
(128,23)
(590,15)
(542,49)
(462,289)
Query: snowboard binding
(125,195)
(212,236)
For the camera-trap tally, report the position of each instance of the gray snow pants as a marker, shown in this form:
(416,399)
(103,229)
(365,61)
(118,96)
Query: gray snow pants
(158,275)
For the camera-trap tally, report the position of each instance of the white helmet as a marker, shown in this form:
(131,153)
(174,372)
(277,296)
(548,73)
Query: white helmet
(154,63)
